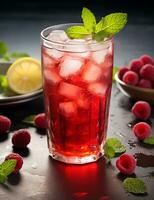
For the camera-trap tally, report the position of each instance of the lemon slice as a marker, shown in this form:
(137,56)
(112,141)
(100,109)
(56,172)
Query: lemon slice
(24,75)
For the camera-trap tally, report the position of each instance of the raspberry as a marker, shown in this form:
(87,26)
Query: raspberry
(5,124)
(40,120)
(142,130)
(147,59)
(126,164)
(122,71)
(135,65)
(21,138)
(131,78)
(144,83)
(19,159)
(141,110)
(147,72)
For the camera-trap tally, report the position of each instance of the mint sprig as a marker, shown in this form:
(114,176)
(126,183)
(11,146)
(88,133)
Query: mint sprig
(112,147)
(135,186)
(106,27)
(149,140)
(6,168)
(89,20)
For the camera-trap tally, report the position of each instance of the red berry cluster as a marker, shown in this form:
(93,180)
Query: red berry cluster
(139,72)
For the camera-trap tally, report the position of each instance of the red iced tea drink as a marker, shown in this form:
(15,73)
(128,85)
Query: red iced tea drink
(77,77)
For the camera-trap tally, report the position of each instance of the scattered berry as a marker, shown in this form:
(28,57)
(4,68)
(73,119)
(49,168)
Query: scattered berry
(40,120)
(144,83)
(135,65)
(147,59)
(147,72)
(19,159)
(21,138)
(126,164)
(5,124)
(122,71)
(141,110)
(142,130)
(131,78)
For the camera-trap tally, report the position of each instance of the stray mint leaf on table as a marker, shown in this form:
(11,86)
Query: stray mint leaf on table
(149,140)
(29,120)
(109,151)
(116,145)
(3,82)
(77,32)
(89,20)
(6,168)
(135,186)
(3,48)
(18,54)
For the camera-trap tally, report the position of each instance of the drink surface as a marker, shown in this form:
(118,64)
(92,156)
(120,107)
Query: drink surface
(77,86)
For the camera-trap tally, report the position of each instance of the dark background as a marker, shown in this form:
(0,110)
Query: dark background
(22,21)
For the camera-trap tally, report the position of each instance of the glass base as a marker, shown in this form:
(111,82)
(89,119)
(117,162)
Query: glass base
(75,159)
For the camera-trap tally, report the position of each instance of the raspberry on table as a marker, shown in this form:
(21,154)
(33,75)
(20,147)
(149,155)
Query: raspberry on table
(147,72)
(131,78)
(135,65)
(145,83)
(40,120)
(5,124)
(142,130)
(147,59)
(126,164)
(122,71)
(141,110)
(21,138)
(19,160)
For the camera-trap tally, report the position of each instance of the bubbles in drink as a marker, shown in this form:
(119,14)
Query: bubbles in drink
(70,66)
(91,73)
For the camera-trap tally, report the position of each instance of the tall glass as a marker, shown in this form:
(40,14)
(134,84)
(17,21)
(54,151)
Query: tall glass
(77,80)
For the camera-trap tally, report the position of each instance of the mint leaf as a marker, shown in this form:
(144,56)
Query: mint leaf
(110,25)
(3,48)
(89,20)
(135,186)
(109,151)
(149,140)
(3,178)
(3,82)
(115,70)
(117,146)
(29,120)
(7,167)
(18,55)
(77,32)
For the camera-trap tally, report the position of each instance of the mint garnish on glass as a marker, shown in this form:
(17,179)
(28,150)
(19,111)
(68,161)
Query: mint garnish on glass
(107,27)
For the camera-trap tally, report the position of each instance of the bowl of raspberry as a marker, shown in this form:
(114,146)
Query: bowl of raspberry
(137,79)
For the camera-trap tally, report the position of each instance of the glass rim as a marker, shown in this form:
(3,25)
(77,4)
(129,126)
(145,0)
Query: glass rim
(69,44)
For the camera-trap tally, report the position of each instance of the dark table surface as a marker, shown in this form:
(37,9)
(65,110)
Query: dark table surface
(42,178)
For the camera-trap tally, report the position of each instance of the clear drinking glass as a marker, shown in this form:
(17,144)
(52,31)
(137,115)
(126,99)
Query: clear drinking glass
(77,80)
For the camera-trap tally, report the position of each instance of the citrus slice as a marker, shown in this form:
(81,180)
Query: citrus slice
(24,75)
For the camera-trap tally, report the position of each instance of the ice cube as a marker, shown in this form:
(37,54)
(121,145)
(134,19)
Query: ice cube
(58,36)
(55,54)
(77,46)
(98,88)
(51,75)
(69,90)
(48,62)
(92,72)
(68,108)
(70,66)
(99,56)
(83,101)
